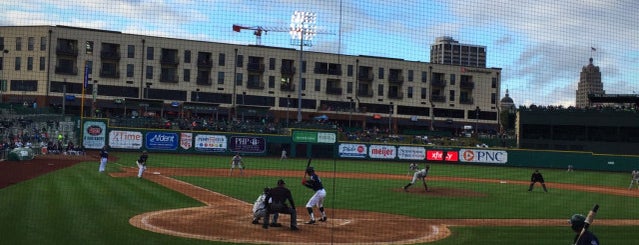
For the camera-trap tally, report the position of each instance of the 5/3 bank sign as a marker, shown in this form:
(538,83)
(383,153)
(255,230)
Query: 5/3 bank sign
(161,141)
(483,156)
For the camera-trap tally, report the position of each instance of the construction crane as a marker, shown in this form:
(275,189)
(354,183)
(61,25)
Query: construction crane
(258,30)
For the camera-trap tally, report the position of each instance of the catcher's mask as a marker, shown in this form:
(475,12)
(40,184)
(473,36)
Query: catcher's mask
(577,222)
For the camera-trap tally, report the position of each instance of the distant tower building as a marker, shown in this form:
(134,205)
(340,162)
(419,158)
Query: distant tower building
(589,83)
(450,52)
(507,103)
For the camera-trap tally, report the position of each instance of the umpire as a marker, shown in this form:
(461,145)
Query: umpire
(537,177)
(276,203)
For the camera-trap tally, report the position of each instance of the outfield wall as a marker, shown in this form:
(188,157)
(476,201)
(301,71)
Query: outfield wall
(305,143)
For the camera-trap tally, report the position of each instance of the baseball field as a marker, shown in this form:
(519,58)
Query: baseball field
(191,199)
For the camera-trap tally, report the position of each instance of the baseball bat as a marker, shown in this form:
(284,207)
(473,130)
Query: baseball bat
(308,164)
(588,221)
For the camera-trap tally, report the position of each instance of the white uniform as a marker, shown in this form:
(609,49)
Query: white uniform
(236,162)
(421,174)
(283,155)
(635,179)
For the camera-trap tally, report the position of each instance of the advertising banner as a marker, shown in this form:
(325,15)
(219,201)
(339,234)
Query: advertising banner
(125,139)
(352,150)
(301,136)
(246,144)
(411,153)
(161,141)
(435,155)
(186,140)
(210,143)
(483,156)
(94,136)
(382,152)
(328,138)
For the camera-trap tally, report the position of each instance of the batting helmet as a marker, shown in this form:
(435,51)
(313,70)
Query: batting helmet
(577,222)
(310,170)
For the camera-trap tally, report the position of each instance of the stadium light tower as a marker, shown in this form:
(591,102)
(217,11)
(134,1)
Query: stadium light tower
(303,28)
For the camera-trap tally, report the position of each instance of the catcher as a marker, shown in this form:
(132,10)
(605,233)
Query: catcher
(421,174)
(260,211)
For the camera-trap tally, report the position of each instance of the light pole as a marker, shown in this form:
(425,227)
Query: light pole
(477,121)
(302,28)
(288,106)
(197,99)
(3,84)
(350,114)
(390,118)
(94,93)
(64,96)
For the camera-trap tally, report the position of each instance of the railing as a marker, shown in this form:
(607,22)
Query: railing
(287,70)
(287,87)
(255,67)
(204,63)
(170,60)
(467,84)
(337,91)
(364,93)
(255,85)
(204,81)
(396,78)
(68,51)
(110,55)
(109,74)
(397,95)
(438,98)
(169,78)
(366,76)
(66,70)
(438,83)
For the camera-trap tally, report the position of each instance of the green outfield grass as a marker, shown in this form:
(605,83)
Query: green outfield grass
(77,205)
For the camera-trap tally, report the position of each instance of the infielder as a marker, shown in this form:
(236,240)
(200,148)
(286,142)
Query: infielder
(315,183)
(104,157)
(236,162)
(421,174)
(141,162)
(635,179)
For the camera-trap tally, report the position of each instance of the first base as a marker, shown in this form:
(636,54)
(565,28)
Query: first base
(156,172)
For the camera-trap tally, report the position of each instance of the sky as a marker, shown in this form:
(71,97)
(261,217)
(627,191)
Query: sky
(541,46)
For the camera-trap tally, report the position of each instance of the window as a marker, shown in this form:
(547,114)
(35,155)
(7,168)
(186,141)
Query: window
(187,75)
(381,73)
(149,72)
(221,59)
(130,70)
(271,81)
(409,93)
(240,61)
(43,43)
(410,75)
(238,79)
(303,85)
(1,63)
(493,98)
(380,90)
(220,77)
(318,84)
(349,87)
(452,79)
(1,43)
(271,64)
(424,76)
(18,43)
(451,95)
(149,53)
(29,63)
(130,51)
(90,66)
(42,63)
(494,83)
(187,56)
(423,94)
(349,70)
(89,47)
(17,63)
(30,43)
(303,66)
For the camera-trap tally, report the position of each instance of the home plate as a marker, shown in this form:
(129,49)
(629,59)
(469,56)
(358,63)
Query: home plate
(156,173)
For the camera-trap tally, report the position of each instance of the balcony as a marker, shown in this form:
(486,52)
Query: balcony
(366,76)
(288,87)
(170,60)
(204,63)
(396,95)
(110,55)
(287,70)
(168,78)
(255,85)
(467,85)
(364,93)
(438,98)
(335,91)
(396,78)
(438,83)
(204,81)
(255,67)
(66,70)
(66,51)
(337,72)
(109,74)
